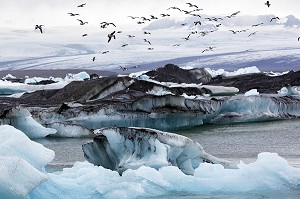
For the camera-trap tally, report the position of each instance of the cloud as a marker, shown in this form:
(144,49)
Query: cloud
(54,12)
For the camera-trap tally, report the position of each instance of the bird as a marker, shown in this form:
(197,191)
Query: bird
(145,19)
(153,17)
(94,58)
(81,5)
(81,22)
(133,17)
(208,49)
(130,36)
(84,35)
(197,22)
(187,38)
(145,40)
(104,52)
(218,25)
(176,45)
(233,14)
(105,24)
(234,32)
(150,48)
(268,3)
(111,35)
(140,22)
(174,8)
(39,27)
(273,18)
(255,25)
(147,33)
(298,38)
(192,5)
(165,15)
(124,45)
(252,34)
(123,68)
(72,14)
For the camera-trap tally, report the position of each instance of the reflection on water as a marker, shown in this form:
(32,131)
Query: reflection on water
(232,142)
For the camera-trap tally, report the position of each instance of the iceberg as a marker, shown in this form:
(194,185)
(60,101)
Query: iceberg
(21,119)
(120,149)
(257,108)
(22,163)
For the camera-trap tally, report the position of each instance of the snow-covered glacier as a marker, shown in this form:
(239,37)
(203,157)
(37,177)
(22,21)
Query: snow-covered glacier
(22,174)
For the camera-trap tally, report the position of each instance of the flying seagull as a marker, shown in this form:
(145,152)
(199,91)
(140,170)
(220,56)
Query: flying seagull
(81,5)
(111,35)
(268,3)
(192,5)
(81,22)
(197,22)
(255,25)
(72,14)
(273,18)
(252,34)
(39,27)
(208,49)
(145,40)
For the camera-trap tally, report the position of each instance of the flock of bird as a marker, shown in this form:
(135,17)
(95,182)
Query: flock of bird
(194,11)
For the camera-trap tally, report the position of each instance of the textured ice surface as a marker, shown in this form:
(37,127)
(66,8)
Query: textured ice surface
(21,119)
(22,163)
(130,148)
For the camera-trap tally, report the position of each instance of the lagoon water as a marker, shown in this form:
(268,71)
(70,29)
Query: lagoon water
(235,142)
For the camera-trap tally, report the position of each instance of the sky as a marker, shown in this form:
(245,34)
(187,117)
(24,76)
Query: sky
(27,13)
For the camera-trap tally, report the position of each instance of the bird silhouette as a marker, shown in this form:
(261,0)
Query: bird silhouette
(145,40)
(187,38)
(268,3)
(123,68)
(111,35)
(273,18)
(255,25)
(94,58)
(130,36)
(192,5)
(298,38)
(39,27)
(81,5)
(84,35)
(105,24)
(197,22)
(165,15)
(208,49)
(72,14)
(147,33)
(124,45)
(251,34)
(150,48)
(81,22)
(104,52)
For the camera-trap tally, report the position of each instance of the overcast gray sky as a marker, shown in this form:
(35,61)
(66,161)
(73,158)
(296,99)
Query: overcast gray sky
(26,13)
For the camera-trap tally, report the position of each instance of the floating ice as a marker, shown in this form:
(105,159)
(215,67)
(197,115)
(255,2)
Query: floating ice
(257,108)
(130,148)
(14,142)
(22,161)
(21,119)
(251,92)
(270,175)
(241,71)
(289,90)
